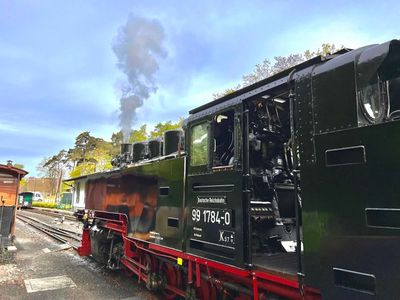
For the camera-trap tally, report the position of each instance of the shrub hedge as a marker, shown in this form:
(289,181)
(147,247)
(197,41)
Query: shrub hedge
(51,205)
(44,204)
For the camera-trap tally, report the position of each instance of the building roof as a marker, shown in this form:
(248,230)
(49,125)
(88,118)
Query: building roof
(13,169)
(75,178)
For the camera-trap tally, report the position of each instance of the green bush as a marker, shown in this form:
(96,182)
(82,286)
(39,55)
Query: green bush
(44,204)
(52,205)
(64,206)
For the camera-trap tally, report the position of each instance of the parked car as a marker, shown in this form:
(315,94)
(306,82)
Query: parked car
(37,197)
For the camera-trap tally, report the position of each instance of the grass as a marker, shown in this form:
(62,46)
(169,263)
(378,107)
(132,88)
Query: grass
(51,205)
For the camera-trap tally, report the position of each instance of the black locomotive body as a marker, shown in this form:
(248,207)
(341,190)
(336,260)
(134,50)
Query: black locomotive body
(286,188)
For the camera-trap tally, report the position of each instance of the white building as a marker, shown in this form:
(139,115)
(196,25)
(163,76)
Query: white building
(78,185)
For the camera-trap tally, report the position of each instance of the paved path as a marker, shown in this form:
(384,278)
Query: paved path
(41,268)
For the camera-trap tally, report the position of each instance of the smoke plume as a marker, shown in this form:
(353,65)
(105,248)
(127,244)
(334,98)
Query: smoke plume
(138,46)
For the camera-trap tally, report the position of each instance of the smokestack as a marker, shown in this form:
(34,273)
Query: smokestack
(126,148)
(138,45)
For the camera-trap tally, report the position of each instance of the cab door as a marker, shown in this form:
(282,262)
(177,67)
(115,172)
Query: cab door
(214,191)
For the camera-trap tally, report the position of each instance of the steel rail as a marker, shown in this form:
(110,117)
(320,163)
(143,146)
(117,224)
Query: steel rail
(50,232)
(48,225)
(51,213)
(56,230)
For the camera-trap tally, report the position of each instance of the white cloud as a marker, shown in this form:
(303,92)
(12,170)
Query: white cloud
(8,127)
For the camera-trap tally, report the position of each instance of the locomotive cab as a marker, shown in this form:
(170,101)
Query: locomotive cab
(240,189)
(271,183)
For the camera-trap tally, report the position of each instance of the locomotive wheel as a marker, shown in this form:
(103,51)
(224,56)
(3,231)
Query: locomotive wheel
(173,278)
(206,290)
(149,262)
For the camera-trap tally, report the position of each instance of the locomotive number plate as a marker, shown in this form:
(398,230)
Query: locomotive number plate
(215,216)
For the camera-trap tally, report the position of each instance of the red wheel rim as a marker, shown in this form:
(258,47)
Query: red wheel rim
(206,290)
(149,262)
(173,278)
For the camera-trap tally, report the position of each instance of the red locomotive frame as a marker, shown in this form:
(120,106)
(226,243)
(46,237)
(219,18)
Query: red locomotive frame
(203,277)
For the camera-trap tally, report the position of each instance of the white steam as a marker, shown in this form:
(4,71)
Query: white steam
(138,46)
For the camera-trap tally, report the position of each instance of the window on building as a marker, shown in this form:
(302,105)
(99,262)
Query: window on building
(78,192)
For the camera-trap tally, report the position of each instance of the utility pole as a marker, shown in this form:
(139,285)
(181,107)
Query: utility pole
(58,193)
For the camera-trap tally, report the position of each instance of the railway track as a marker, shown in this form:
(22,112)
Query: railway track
(62,235)
(53,213)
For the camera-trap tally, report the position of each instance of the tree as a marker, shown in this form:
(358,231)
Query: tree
(84,143)
(55,167)
(160,128)
(281,63)
(139,135)
(92,154)
(260,71)
(22,184)
(19,166)
(98,160)
(326,49)
(285,62)
(227,91)
(116,139)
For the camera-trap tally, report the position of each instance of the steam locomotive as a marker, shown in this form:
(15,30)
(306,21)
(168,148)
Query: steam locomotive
(285,189)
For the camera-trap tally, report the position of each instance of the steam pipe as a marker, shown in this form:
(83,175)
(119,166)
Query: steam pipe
(292,98)
(246,189)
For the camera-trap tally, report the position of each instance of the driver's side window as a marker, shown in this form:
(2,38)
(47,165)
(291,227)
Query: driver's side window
(224,144)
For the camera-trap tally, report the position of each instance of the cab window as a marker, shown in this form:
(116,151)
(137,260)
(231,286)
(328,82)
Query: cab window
(224,144)
(199,145)
(378,84)
(394,98)
(373,100)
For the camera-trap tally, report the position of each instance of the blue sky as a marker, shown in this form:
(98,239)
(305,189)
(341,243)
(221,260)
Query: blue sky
(58,74)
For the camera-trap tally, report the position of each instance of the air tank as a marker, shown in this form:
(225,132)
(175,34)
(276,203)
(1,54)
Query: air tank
(139,151)
(173,141)
(155,148)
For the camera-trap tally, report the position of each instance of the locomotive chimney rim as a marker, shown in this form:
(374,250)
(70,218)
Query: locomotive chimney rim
(126,148)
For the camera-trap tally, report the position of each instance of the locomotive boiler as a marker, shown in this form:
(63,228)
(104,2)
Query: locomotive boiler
(284,189)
